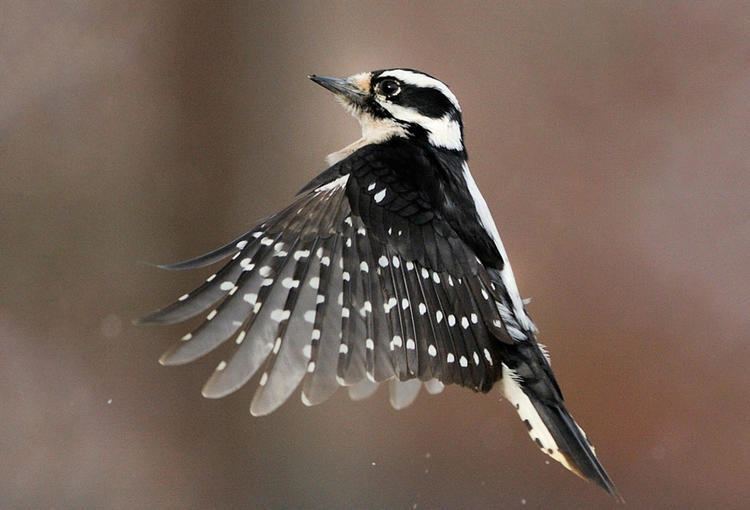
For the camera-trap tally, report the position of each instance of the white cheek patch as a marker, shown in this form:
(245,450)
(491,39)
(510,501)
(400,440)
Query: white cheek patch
(442,132)
(447,134)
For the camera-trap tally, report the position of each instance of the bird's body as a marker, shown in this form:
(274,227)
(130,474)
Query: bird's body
(386,267)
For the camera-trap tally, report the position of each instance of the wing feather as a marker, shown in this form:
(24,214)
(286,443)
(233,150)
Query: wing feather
(321,382)
(340,289)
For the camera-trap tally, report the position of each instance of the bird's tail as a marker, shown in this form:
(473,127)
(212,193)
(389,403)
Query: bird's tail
(531,389)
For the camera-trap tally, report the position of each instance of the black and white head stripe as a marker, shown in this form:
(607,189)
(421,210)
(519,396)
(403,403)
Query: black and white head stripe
(422,102)
(399,103)
(421,80)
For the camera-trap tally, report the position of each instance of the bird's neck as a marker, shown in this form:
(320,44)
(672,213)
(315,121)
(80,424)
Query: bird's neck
(373,131)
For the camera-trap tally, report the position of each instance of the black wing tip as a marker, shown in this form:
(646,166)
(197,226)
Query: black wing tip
(182,265)
(147,263)
(166,362)
(140,321)
(154,319)
(207,259)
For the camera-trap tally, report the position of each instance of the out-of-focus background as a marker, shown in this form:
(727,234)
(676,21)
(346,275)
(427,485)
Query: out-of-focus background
(611,142)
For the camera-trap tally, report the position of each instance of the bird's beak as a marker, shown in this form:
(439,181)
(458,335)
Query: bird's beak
(342,88)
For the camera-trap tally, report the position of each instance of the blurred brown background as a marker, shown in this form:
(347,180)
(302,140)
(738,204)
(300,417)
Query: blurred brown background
(611,141)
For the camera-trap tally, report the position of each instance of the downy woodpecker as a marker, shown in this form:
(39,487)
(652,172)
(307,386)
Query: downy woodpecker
(387,266)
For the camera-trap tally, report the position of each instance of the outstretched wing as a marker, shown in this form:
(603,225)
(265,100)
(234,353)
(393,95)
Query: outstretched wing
(358,281)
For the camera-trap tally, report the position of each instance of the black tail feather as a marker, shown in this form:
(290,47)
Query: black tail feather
(574,446)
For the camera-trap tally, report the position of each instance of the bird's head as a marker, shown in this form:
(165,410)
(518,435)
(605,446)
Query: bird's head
(400,102)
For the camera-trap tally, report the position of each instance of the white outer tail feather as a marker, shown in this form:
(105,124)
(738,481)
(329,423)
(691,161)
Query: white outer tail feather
(538,431)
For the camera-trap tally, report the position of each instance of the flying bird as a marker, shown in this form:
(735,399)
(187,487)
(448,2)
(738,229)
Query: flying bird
(386,267)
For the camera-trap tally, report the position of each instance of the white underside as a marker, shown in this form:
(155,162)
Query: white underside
(506,274)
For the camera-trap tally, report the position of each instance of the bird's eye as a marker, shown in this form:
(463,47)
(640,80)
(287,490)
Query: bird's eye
(388,88)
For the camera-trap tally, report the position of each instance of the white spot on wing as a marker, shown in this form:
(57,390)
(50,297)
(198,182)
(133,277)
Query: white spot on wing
(290,283)
(280,315)
(389,304)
